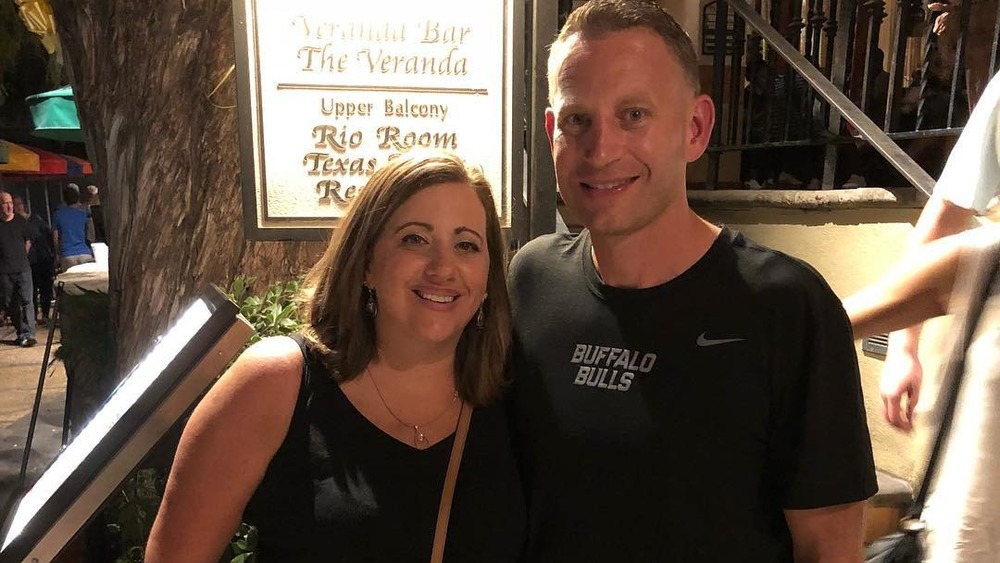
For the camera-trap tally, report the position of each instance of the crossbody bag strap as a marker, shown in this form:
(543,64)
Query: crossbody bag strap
(444,510)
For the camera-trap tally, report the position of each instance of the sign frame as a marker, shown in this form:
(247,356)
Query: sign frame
(260,225)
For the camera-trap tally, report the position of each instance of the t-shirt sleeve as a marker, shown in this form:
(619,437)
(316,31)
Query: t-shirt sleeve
(971,177)
(820,445)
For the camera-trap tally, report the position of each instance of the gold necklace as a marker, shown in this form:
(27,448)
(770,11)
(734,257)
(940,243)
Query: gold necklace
(419,439)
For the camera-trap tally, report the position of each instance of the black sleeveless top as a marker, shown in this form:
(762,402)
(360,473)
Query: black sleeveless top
(340,489)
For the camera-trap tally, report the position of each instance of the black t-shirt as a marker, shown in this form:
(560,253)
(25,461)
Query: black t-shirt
(340,489)
(40,235)
(675,423)
(13,234)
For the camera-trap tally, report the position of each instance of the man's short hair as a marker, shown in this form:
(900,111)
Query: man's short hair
(599,17)
(71,194)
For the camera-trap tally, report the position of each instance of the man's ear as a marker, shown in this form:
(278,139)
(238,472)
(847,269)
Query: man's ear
(550,124)
(702,122)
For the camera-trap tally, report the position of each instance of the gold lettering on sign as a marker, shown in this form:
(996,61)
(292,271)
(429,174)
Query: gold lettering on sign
(328,136)
(434,32)
(390,137)
(325,164)
(333,192)
(322,59)
(379,61)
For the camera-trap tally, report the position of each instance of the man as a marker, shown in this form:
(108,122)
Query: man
(969,185)
(73,230)
(15,272)
(680,393)
(41,258)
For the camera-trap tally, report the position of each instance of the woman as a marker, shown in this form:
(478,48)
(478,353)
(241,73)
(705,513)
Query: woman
(340,441)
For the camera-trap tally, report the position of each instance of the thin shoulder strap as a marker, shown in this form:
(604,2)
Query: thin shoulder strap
(444,510)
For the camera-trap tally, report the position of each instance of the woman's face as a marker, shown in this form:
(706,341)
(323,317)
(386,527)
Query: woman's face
(430,265)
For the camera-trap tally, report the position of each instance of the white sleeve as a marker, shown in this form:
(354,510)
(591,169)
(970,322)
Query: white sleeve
(971,177)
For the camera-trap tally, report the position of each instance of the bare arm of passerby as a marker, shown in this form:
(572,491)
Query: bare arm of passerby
(216,468)
(831,534)
(917,289)
(902,374)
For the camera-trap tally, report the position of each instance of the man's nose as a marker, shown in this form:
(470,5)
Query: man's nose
(605,141)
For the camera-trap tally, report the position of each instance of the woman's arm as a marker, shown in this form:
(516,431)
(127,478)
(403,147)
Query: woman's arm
(224,451)
(918,288)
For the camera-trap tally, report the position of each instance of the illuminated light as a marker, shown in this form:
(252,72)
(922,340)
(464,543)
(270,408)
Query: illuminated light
(127,393)
(155,394)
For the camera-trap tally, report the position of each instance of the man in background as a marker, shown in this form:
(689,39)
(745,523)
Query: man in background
(15,272)
(41,257)
(73,230)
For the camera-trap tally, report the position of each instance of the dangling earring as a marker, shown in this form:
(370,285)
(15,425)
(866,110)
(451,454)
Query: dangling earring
(370,304)
(481,316)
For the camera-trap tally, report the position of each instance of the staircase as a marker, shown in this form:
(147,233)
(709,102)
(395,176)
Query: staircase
(825,94)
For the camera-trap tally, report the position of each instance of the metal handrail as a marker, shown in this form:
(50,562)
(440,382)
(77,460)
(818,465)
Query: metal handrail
(837,99)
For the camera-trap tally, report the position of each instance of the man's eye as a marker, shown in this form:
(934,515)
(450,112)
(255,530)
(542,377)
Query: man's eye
(635,114)
(467,246)
(575,122)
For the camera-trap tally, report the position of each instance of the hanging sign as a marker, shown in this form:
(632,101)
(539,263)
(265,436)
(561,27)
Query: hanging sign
(328,95)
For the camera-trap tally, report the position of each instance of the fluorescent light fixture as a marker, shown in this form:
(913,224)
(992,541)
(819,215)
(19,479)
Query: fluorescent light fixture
(182,364)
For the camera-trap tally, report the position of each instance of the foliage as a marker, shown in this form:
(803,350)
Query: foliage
(243,547)
(133,510)
(13,38)
(12,35)
(275,313)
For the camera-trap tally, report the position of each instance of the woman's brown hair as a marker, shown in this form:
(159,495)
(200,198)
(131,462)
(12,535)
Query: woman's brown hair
(339,329)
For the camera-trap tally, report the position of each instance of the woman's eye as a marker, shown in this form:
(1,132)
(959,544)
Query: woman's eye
(467,246)
(412,238)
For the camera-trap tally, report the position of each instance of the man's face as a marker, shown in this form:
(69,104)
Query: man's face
(624,124)
(6,207)
(20,209)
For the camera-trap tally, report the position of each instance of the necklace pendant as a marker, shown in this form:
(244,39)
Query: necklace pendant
(419,439)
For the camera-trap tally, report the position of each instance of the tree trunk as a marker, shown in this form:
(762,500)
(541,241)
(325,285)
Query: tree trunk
(143,73)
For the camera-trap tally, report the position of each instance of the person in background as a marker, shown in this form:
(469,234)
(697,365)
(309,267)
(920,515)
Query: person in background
(41,257)
(15,272)
(963,521)
(93,203)
(73,230)
(679,392)
(353,422)
(968,186)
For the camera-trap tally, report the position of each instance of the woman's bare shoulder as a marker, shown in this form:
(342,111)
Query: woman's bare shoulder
(263,382)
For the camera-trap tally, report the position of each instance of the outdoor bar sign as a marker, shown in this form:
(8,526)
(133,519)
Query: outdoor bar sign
(330,91)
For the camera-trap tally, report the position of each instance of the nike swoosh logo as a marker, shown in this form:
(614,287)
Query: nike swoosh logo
(705,341)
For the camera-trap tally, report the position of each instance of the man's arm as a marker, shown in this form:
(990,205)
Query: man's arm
(832,534)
